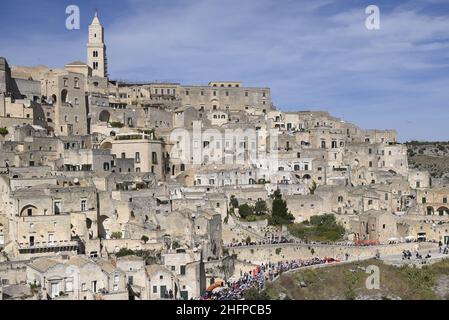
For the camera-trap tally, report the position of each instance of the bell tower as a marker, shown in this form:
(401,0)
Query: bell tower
(96,49)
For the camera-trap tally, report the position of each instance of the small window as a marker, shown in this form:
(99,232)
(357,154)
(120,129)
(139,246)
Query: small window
(154,158)
(183,270)
(83,205)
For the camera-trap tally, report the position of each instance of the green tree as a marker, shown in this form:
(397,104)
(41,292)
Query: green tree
(313,188)
(280,213)
(277,194)
(234,202)
(4,131)
(245,211)
(261,208)
(145,239)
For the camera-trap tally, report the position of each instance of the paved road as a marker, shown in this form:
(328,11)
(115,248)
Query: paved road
(398,260)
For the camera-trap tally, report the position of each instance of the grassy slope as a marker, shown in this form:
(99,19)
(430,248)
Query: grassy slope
(433,157)
(339,282)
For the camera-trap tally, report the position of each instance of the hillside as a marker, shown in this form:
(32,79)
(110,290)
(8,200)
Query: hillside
(432,157)
(347,282)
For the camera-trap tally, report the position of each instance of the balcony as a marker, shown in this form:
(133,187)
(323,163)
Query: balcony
(46,247)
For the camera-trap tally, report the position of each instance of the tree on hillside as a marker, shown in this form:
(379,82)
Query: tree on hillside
(261,208)
(277,194)
(280,213)
(313,188)
(145,239)
(234,202)
(245,210)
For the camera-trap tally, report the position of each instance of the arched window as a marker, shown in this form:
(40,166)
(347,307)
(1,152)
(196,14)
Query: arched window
(443,211)
(28,211)
(340,199)
(104,116)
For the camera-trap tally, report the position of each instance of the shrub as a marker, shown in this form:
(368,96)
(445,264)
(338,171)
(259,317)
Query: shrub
(261,208)
(245,210)
(145,239)
(117,235)
(123,252)
(3,131)
(176,245)
(116,124)
(254,294)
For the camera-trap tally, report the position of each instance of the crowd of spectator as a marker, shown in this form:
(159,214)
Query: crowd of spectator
(257,278)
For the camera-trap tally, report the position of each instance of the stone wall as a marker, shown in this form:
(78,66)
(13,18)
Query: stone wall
(275,253)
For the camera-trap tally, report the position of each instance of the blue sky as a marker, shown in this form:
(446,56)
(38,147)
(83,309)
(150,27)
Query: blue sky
(315,55)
